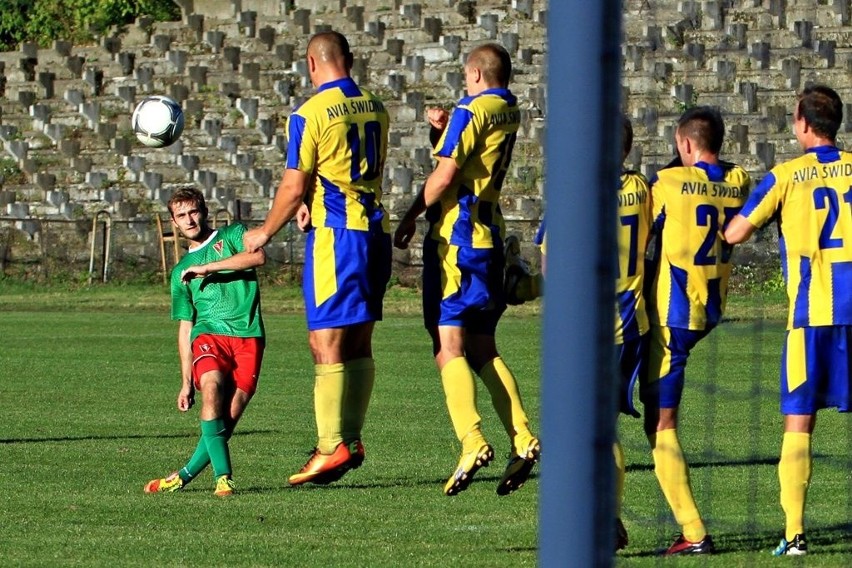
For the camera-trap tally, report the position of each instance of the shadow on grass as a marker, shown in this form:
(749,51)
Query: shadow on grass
(396,483)
(121,437)
(773,461)
(832,537)
(514,549)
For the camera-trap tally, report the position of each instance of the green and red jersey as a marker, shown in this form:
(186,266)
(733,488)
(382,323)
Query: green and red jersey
(222,303)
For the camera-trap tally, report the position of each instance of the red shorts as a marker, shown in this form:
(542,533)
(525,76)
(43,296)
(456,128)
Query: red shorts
(235,357)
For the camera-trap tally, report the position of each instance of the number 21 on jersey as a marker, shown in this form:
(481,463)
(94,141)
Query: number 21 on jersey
(827,198)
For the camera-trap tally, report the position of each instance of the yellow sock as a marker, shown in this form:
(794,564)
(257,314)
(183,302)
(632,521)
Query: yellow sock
(507,402)
(673,475)
(618,452)
(794,473)
(460,390)
(360,376)
(329,391)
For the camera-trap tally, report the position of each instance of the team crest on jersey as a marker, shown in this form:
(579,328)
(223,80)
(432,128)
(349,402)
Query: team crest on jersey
(218,246)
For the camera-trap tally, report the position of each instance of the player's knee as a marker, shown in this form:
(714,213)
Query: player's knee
(212,382)
(358,343)
(324,353)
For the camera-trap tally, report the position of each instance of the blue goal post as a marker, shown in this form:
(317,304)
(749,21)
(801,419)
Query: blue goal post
(583,163)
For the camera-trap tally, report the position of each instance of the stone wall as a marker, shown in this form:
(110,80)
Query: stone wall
(237,68)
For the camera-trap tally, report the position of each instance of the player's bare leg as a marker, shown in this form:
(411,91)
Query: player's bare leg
(199,461)
(215,408)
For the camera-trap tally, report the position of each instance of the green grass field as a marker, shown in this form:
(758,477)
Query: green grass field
(87,397)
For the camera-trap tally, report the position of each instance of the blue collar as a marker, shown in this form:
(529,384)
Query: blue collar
(502,92)
(825,154)
(342,83)
(715,172)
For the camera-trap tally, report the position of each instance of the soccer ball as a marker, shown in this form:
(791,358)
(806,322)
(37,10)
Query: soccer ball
(157,121)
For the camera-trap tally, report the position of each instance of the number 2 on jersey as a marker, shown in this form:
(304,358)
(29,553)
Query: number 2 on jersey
(826,198)
(707,215)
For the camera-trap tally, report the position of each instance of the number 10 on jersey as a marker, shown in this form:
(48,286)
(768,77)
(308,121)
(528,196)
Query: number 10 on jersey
(366,150)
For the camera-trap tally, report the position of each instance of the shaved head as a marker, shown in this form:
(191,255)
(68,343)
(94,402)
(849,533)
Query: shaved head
(329,47)
(329,58)
(493,62)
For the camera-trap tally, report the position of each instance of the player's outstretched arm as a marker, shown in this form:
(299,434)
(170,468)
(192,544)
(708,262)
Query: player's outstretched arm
(186,395)
(739,230)
(288,199)
(239,261)
(439,181)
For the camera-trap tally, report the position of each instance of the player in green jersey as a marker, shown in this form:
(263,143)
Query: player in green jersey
(216,299)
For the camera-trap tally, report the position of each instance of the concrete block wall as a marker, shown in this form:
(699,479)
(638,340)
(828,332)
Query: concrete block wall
(237,68)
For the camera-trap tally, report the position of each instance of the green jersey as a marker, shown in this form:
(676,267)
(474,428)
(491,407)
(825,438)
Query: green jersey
(222,303)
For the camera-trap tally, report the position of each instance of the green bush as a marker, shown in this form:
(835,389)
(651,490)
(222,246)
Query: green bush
(43,21)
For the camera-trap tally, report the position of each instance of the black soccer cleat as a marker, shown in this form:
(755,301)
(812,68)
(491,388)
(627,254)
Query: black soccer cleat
(682,546)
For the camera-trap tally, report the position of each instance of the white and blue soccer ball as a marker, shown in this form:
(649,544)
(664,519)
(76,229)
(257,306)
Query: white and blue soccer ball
(157,121)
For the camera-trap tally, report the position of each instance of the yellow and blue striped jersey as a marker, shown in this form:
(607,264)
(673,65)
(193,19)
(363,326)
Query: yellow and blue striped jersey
(691,207)
(811,197)
(340,137)
(634,224)
(479,137)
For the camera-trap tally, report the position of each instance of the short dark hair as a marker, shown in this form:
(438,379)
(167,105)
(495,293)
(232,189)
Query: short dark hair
(626,135)
(822,110)
(493,61)
(187,194)
(705,126)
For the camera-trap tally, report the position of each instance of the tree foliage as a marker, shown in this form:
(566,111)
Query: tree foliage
(43,21)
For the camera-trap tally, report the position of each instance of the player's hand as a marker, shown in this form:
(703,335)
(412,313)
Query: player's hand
(255,239)
(404,233)
(194,272)
(186,398)
(303,218)
(437,118)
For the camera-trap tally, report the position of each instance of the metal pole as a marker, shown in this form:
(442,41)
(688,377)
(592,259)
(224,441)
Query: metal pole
(92,250)
(582,165)
(107,237)
(107,242)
